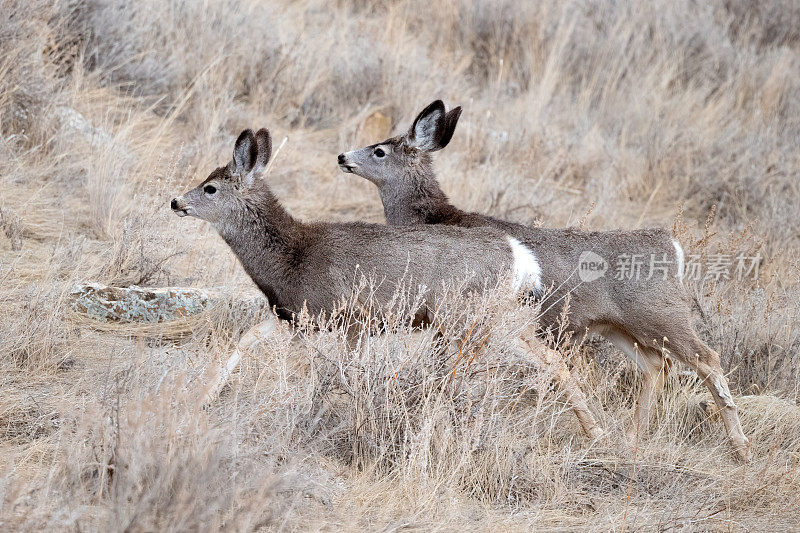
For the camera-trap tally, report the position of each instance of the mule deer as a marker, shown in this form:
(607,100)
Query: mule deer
(301,266)
(646,314)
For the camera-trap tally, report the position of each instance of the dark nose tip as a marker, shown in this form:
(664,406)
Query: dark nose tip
(341,158)
(174,204)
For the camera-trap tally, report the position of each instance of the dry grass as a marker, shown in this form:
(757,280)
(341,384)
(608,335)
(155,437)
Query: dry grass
(607,114)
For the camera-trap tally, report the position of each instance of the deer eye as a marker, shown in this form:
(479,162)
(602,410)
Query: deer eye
(379,152)
(209,189)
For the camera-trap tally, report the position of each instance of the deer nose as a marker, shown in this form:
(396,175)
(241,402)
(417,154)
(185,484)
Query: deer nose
(341,159)
(174,204)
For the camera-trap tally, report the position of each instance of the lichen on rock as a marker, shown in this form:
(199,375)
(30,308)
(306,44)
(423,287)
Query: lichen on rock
(136,304)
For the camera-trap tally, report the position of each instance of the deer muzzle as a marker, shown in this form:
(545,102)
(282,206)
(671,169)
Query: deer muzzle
(344,165)
(179,206)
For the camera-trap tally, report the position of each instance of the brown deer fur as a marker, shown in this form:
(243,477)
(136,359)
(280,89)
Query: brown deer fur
(314,266)
(647,317)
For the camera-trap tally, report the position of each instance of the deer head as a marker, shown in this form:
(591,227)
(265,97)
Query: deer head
(224,193)
(401,162)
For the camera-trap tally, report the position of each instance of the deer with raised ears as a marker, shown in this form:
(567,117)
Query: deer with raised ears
(312,266)
(646,314)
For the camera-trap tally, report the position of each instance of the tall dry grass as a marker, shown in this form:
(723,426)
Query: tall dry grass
(600,114)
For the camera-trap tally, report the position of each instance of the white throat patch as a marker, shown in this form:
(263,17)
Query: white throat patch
(527,272)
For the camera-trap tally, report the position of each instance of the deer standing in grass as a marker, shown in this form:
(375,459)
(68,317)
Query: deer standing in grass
(313,266)
(646,314)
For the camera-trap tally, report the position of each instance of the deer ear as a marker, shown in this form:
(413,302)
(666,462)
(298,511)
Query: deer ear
(264,145)
(426,130)
(450,121)
(245,152)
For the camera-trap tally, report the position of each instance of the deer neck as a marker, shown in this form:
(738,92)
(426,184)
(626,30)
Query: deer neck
(418,200)
(265,238)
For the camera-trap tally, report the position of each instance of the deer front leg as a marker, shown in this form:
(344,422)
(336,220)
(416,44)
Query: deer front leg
(248,341)
(551,361)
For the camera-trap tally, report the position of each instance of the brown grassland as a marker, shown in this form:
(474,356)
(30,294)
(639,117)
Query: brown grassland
(599,114)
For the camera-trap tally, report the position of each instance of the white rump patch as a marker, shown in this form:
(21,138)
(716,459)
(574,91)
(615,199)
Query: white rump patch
(679,258)
(527,272)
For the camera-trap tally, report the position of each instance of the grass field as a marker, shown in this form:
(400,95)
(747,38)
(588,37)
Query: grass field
(598,114)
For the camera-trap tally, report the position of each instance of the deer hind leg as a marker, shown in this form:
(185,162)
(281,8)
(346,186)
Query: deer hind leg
(657,368)
(705,361)
(253,336)
(551,361)
(654,367)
